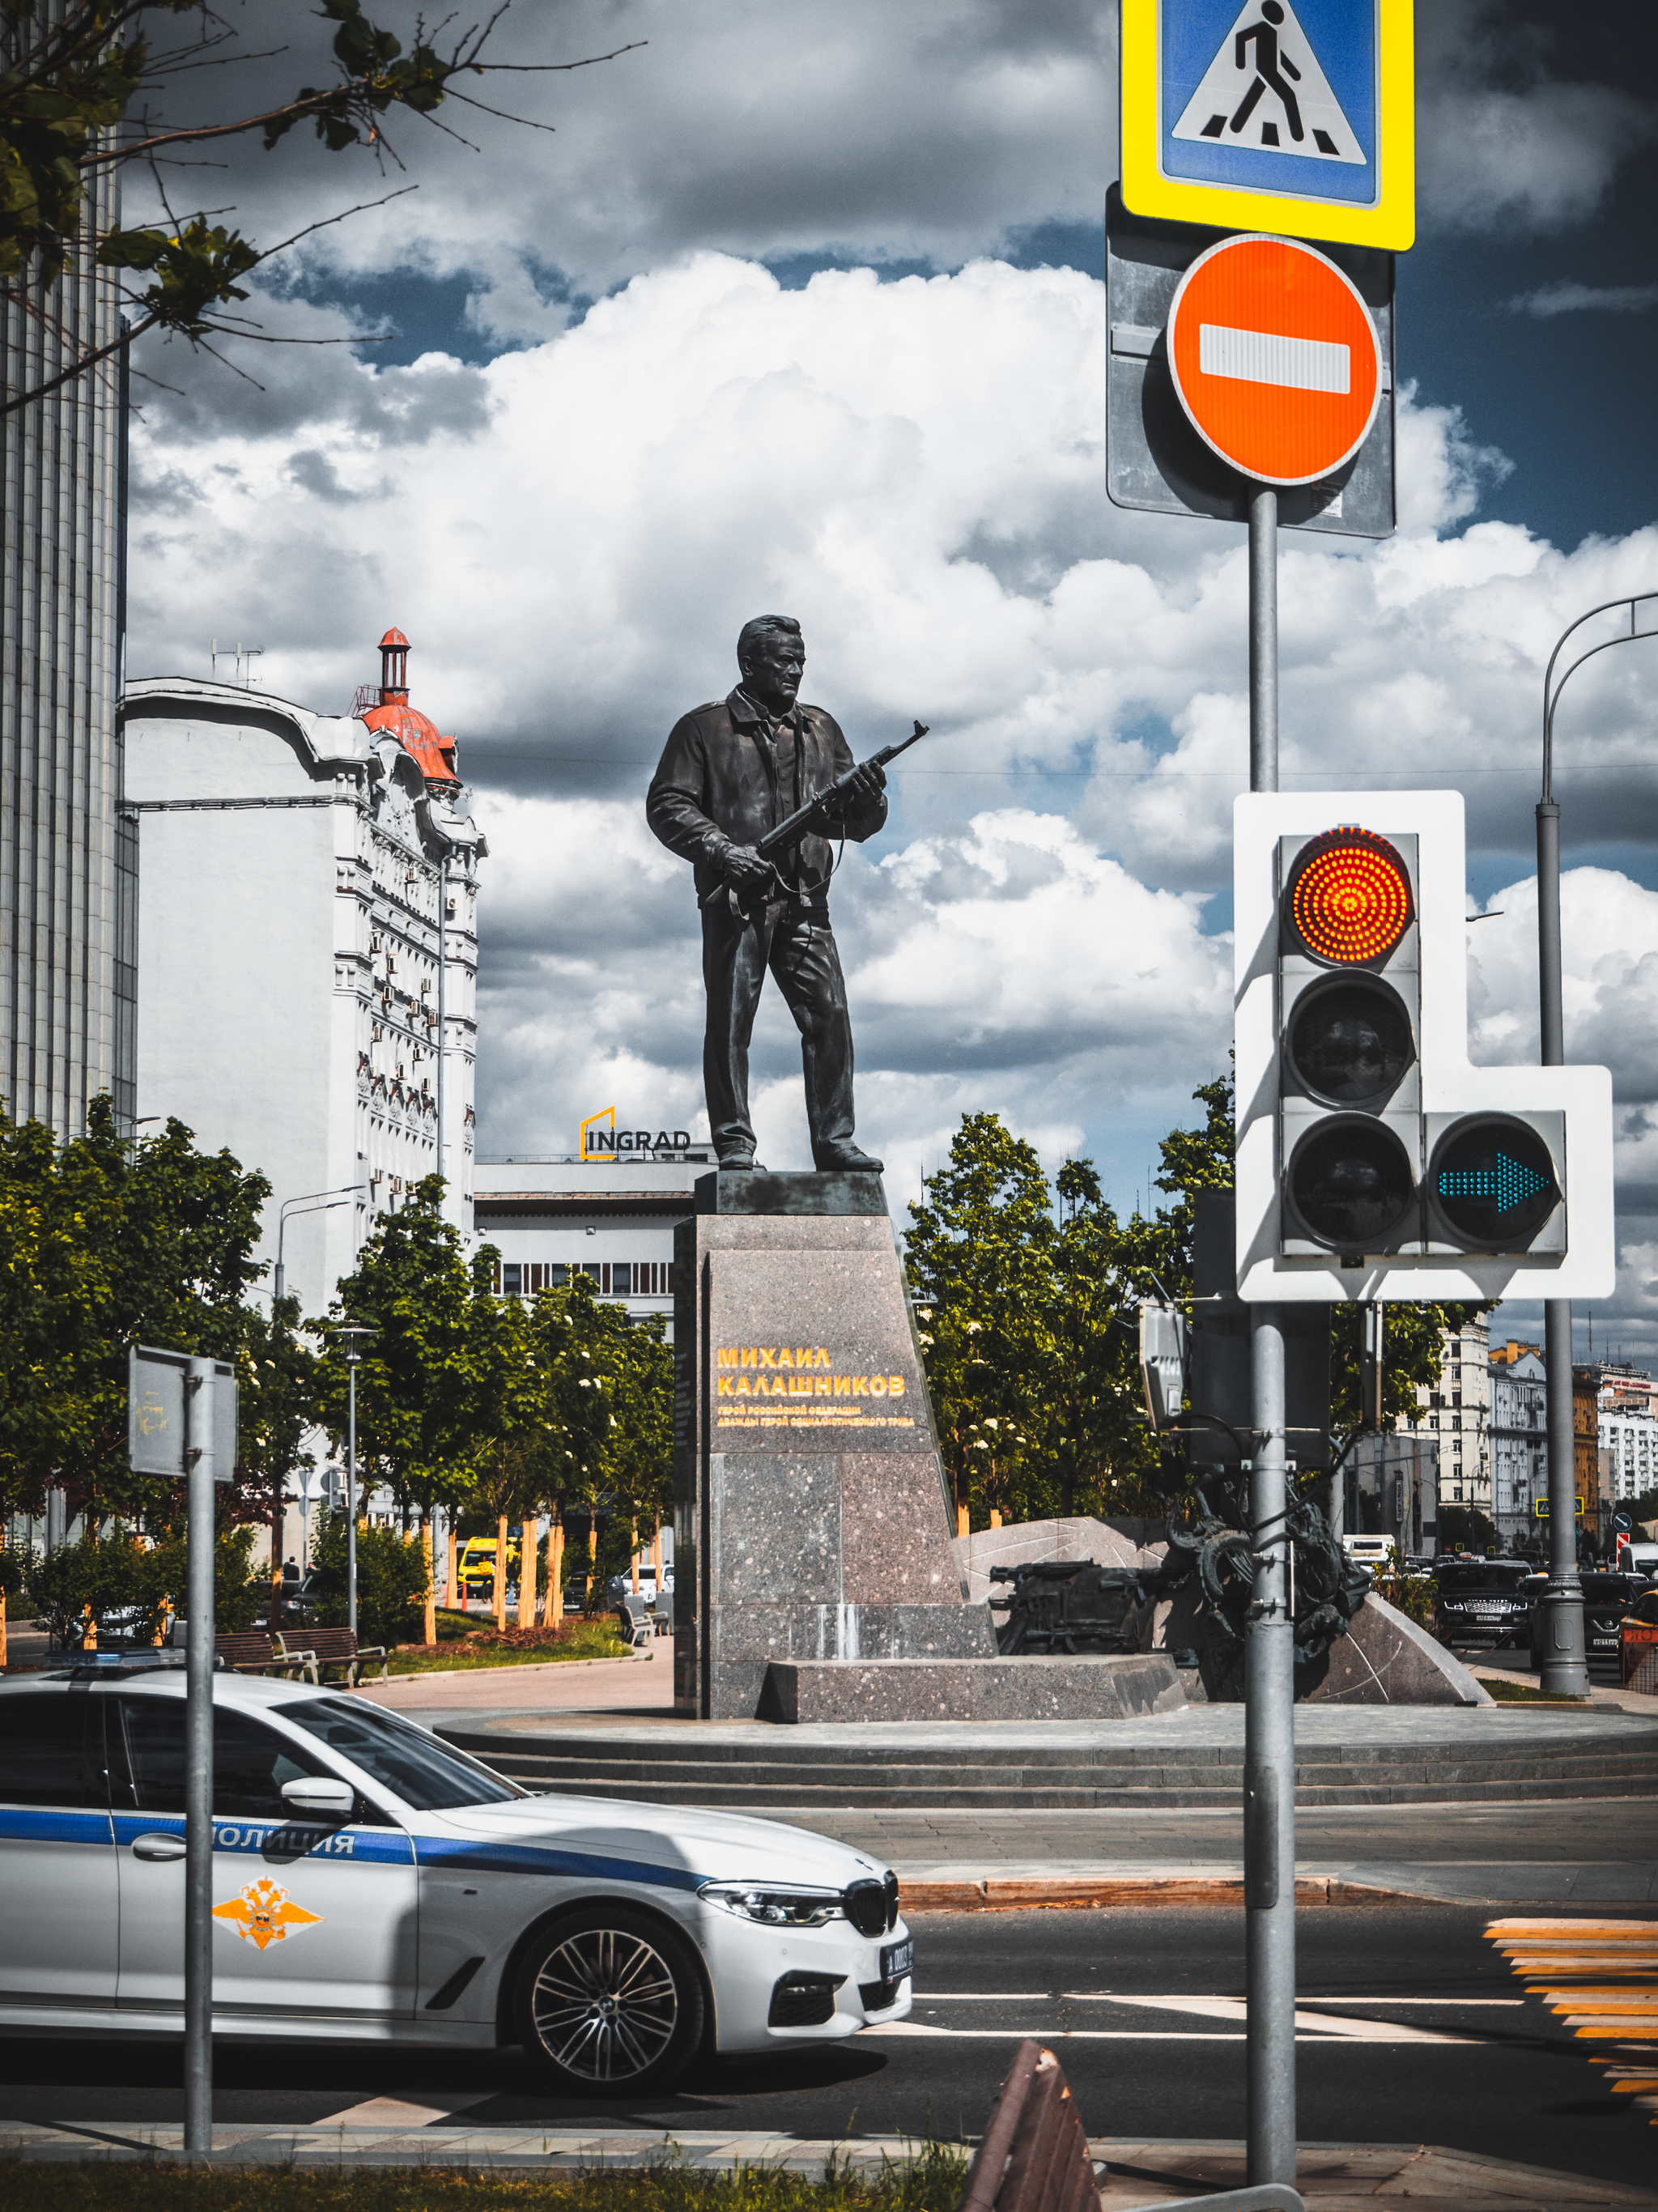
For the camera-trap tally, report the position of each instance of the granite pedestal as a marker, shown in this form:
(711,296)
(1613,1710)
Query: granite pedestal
(811,1517)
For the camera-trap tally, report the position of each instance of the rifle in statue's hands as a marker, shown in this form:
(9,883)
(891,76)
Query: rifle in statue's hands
(820,813)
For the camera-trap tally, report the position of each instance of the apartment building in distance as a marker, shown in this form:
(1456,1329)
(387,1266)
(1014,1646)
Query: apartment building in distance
(1455,1414)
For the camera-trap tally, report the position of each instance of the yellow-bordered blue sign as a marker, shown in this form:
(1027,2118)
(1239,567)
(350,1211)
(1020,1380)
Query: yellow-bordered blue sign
(1295,117)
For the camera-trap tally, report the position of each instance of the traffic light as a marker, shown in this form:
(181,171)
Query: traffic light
(1374,1160)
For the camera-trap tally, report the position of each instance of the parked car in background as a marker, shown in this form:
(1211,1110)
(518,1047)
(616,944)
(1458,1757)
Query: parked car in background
(1637,1636)
(1481,1602)
(1607,1599)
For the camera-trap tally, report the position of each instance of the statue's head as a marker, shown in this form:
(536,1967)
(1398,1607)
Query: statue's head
(772,655)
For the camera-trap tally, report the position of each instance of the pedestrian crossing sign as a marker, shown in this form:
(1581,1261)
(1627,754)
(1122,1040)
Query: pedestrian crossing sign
(1293,117)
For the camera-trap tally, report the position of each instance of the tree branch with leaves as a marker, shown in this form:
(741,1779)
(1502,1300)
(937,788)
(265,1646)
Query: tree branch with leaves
(77,84)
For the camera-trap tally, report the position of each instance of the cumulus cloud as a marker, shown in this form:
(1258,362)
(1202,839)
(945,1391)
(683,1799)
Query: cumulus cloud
(576,531)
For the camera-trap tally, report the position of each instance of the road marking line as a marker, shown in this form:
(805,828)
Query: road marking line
(1565,1964)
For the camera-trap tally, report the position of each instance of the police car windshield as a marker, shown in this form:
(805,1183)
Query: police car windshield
(426,1775)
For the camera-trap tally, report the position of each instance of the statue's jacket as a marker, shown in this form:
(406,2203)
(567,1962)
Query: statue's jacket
(716,786)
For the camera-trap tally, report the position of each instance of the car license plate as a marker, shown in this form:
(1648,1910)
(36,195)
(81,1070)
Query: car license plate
(897,1960)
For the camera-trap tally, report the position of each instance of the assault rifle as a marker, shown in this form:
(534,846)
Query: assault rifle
(817,813)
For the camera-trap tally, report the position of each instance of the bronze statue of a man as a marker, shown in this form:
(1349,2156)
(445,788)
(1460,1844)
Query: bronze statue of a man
(730,772)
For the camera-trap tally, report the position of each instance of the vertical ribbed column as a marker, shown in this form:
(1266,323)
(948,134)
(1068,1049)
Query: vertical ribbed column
(60,514)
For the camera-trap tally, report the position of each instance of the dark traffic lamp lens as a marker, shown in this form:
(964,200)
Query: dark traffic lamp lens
(1348,900)
(1352,1183)
(1350,1041)
(1492,1183)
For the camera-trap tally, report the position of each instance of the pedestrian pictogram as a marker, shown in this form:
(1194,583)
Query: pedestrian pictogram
(1295,117)
(1265,87)
(1274,358)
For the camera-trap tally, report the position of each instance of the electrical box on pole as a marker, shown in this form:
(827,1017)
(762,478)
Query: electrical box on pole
(1375,1160)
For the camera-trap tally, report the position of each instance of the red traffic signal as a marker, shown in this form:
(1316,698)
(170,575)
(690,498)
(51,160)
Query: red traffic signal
(1347,903)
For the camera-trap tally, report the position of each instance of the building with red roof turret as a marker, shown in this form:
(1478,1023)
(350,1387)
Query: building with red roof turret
(308,948)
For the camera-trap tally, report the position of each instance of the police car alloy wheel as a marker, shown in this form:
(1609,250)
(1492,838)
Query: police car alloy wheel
(610,1997)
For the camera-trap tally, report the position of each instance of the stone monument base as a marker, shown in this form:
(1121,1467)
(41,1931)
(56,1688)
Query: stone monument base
(811,1519)
(1024,1689)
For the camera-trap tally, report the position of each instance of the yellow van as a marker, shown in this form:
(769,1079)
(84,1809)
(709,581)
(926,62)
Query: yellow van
(475,1565)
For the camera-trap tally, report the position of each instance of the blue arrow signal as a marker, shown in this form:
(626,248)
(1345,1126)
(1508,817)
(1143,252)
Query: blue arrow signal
(1511,1182)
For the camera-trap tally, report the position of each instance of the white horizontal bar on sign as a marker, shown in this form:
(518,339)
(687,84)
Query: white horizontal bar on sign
(1265,358)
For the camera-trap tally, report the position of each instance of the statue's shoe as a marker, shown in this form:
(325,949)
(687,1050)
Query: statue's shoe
(846,1159)
(741,1163)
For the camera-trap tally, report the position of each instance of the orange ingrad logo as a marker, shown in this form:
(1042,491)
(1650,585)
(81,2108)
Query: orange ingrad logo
(598,1138)
(264,1914)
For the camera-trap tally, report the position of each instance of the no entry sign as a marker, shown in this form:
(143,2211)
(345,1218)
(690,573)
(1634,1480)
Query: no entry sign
(1275,359)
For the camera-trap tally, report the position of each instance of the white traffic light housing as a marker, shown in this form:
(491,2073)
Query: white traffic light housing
(1374,1160)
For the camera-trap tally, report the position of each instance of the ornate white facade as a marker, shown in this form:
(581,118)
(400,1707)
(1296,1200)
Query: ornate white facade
(308,951)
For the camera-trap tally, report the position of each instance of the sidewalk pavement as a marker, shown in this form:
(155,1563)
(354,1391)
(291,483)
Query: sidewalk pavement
(642,1685)
(1336,2177)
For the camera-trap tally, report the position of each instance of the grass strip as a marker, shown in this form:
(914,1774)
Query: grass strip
(931,2181)
(1524,1693)
(517,1648)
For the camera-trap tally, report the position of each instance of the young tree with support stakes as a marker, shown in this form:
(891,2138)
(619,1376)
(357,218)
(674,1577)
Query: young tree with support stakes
(413,1286)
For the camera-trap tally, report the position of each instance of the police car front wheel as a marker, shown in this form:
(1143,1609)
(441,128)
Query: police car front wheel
(609,1996)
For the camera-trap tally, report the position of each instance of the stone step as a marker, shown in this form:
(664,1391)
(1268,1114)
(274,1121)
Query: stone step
(766,1800)
(1424,1781)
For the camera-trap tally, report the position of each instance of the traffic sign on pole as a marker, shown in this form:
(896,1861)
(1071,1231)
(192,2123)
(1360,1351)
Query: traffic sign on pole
(1155,459)
(1291,116)
(1275,359)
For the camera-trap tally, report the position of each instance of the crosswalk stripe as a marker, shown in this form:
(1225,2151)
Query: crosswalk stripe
(1570,1965)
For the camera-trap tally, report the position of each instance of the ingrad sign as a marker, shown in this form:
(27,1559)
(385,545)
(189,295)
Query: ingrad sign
(1292,115)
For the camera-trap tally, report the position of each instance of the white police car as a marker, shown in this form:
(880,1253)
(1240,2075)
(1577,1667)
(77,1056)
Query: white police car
(371,1882)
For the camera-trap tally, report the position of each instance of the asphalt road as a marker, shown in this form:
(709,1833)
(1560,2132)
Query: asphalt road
(1412,2030)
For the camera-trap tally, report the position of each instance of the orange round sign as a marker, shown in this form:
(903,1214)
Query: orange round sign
(1275,358)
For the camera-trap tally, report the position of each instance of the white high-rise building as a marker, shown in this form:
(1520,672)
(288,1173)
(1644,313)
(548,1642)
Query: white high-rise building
(307,950)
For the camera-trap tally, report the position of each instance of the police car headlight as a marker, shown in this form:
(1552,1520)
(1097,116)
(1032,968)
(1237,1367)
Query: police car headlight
(775,1908)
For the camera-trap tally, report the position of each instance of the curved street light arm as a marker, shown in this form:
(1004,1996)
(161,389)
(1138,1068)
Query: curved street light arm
(1552,690)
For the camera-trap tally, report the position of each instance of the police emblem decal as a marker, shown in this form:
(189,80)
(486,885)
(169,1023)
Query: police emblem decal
(264,1914)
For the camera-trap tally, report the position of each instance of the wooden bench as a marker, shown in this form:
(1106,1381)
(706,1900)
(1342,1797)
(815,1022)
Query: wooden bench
(323,1648)
(254,1653)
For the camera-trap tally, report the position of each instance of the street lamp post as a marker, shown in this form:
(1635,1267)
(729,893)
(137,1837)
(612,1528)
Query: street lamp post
(1565,1664)
(310,1202)
(352,1332)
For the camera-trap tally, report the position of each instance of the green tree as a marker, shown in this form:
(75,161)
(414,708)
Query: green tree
(417,1420)
(979,1258)
(276,1386)
(107,1241)
(1095,1437)
(69,82)
(607,1410)
(117,1582)
(392,1582)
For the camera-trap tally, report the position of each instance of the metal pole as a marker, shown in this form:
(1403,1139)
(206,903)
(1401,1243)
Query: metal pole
(1269,1729)
(1263,640)
(351,1491)
(198,1763)
(1565,1663)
